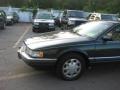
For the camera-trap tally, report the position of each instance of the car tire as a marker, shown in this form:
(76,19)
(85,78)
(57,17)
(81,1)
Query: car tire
(70,67)
(3,27)
(34,30)
(53,29)
(12,22)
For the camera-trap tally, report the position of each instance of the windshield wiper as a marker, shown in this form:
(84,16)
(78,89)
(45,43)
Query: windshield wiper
(76,32)
(84,35)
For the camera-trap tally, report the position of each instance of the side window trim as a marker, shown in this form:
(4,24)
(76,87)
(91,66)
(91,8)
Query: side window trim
(107,31)
(115,38)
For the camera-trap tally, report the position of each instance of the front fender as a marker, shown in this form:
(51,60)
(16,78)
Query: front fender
(76,50)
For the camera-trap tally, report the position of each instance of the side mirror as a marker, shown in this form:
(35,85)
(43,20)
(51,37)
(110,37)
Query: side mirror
(107,38)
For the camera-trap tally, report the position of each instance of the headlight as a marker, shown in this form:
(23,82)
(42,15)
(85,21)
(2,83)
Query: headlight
(71,22)
(32,53)
(36,23)
(51,24)
(23,47)
(9,17)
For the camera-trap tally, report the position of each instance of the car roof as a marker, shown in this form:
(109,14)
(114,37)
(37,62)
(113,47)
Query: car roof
(76,10)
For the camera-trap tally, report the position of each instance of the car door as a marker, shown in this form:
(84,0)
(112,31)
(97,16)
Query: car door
(109,50)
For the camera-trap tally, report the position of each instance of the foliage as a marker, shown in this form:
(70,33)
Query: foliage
(112,6)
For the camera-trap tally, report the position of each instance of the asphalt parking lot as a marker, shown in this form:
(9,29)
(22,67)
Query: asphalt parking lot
(16,75)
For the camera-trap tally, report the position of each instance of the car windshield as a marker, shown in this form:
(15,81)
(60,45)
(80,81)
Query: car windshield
(76,14)
(44,16)
(92,29)
(9,14)
(108,17)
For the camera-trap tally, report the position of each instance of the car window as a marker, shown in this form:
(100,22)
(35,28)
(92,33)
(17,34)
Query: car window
(115,33)
(109,17)
(76,14)
(9,14)
(93,30)
(44,16)
(106,17)
(115,18)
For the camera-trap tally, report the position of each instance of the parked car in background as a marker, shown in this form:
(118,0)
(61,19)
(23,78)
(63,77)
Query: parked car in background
(43,22)
(70,52)
(102,16)
(12,17)
(73,18)
(2,19)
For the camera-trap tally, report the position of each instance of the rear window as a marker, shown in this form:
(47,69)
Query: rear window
(76,14)
(44,16)
(108,17)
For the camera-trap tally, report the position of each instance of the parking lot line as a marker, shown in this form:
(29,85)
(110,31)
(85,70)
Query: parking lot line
(21,37)
(18,76)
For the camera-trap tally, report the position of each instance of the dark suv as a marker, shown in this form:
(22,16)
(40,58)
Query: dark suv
(12,17)
(72,18)
(43,22)
(2,19)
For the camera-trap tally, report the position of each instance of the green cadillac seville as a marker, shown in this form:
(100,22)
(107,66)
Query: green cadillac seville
(70,52)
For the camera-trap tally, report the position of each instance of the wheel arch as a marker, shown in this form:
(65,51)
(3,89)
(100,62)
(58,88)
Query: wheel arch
(76,51)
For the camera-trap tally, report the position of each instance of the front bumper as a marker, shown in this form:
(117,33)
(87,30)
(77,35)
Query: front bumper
(43,27)
(36,61)
(9,21)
